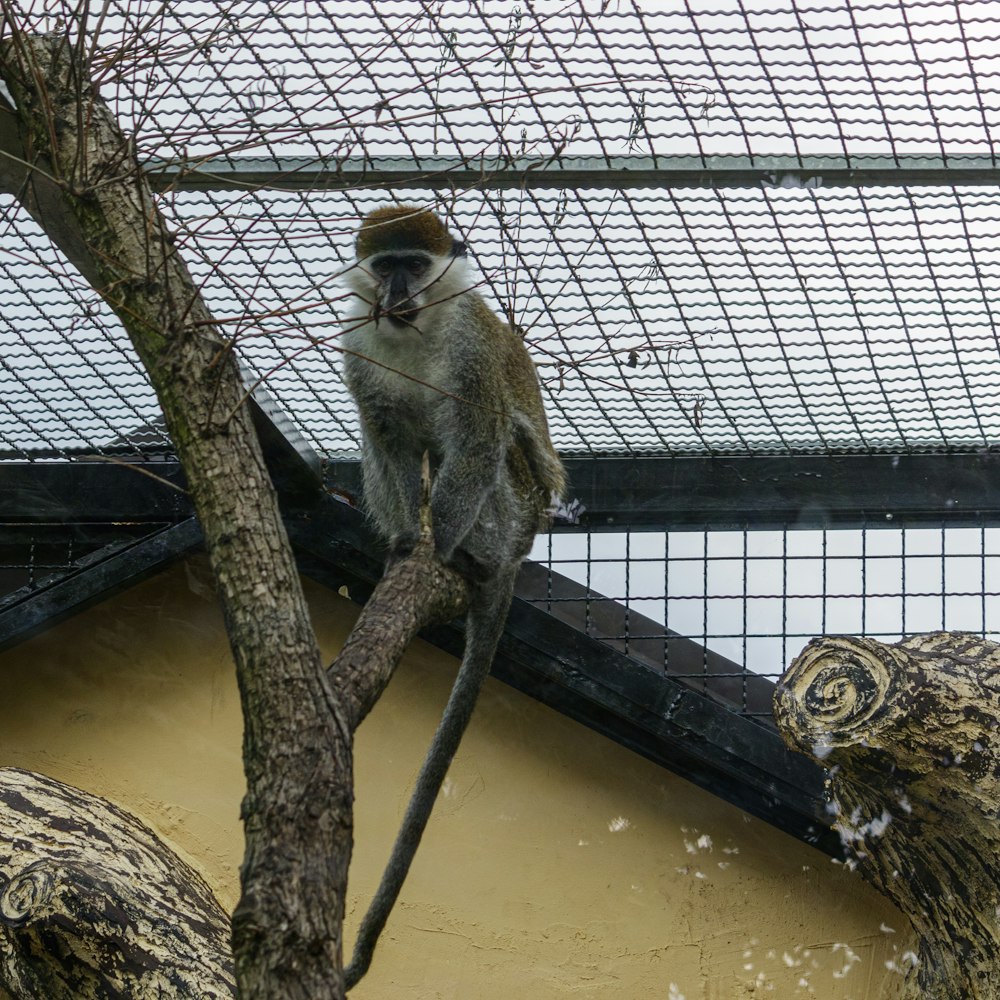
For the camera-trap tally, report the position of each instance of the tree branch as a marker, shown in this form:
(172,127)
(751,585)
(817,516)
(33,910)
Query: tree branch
(417,591)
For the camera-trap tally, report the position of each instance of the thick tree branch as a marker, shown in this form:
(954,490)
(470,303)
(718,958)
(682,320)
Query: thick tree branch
(909,735)
(297,752)
(415,592)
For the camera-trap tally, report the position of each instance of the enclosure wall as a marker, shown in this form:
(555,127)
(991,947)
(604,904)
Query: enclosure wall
(557,863)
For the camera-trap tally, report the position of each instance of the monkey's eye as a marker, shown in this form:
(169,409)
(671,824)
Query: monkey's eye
(383,268)
(416,265)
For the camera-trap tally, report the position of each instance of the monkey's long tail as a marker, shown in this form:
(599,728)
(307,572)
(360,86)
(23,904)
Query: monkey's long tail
(485,622)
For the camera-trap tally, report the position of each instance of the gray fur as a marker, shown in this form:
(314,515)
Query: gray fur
(433,369)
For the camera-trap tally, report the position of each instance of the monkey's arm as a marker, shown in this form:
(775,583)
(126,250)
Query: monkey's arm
(391,472)
(476,440)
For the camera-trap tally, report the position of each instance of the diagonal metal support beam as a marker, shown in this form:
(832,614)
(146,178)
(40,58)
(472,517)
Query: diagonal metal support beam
(657,717)
(99,575)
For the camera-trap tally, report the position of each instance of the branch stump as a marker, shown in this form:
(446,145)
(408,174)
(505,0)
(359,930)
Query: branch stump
(94,905)
(909,735)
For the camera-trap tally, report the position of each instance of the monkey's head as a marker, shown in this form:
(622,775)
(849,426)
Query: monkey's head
(408,263)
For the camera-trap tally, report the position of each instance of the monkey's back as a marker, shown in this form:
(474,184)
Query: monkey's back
(533,461)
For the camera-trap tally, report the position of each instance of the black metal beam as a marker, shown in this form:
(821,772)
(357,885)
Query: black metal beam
(802,491)
(621,172)
(602,687)
(96,577)
(647,642)
(686,732)
(797,491)
(36,492)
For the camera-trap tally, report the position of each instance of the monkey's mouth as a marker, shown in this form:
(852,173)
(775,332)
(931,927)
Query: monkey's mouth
(397,315)
(401,317)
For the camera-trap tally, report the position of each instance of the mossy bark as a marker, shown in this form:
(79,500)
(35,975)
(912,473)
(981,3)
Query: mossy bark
(909,735)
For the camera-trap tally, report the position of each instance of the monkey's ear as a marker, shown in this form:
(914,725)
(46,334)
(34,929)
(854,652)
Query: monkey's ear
(458,248)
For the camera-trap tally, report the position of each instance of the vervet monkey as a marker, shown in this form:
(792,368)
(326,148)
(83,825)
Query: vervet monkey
(434,370)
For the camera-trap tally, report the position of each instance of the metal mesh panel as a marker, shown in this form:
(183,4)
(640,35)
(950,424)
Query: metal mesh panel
(752,599)
(712,322)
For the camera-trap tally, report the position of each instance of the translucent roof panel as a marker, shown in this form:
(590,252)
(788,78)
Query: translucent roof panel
(597,77)
(719,317)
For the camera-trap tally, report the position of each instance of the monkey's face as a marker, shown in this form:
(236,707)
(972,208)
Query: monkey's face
(400,285)
(407,287)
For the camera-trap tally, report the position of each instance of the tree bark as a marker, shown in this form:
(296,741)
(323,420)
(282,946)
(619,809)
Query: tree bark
(413,593)
(76,172)
(94,905)
(297,747)
(909,735)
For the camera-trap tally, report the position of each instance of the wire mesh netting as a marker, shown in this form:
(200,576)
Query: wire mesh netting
(384,77)
(751,599)
(684,322)
(723,228)
(664,319)
(40,555)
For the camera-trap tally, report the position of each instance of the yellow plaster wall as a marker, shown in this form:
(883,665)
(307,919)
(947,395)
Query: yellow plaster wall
(557,864)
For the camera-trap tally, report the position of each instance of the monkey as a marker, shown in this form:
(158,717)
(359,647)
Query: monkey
(433,369)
